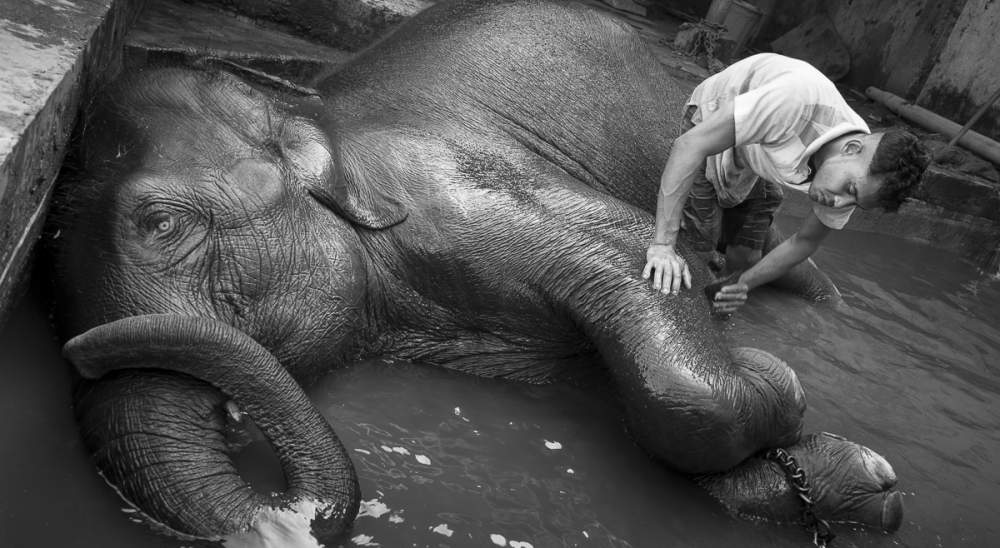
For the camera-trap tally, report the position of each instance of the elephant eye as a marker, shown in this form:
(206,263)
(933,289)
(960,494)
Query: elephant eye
(159,223)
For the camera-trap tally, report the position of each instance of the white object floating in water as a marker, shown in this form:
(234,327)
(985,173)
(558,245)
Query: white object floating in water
(422,459)
(288,527)
(374,508)
(570,471)
(401,450)
(386,448)
(519,544)
(499,540)
(585,535)
(365,540)
(396,518)
(363,451)
(553,445)
(458,411)
(443,530)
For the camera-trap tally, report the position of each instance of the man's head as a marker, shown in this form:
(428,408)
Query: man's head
(868,171)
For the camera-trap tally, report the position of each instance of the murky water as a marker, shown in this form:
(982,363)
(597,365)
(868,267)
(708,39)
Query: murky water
(910,367)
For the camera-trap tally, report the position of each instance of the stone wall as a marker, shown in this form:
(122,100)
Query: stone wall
(53,51)
(939,53)
(967,72)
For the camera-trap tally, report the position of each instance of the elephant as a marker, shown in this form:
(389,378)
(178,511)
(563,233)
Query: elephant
(473,191)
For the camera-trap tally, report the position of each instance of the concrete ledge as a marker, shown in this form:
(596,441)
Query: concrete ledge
(176,31)
(956,191)
(53,52)
(345,24)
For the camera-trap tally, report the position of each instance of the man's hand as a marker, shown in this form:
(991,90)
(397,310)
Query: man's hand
(667,268)
(727,295)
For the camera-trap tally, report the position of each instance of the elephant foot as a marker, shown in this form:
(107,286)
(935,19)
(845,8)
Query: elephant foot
(845,483)
(849,482)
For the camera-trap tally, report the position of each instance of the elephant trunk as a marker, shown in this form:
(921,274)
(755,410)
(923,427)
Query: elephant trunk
(173,465)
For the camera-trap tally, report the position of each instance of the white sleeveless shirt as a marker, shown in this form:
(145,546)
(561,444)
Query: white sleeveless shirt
(785,110)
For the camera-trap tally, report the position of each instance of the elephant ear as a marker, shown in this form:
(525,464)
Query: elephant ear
(367,183)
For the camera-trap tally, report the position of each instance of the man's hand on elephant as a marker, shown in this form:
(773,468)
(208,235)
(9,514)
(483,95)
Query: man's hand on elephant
(667,269)
(727,295)
(729,298)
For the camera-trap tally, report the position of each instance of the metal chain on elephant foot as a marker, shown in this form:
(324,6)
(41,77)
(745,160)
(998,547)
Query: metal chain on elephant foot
(822,534)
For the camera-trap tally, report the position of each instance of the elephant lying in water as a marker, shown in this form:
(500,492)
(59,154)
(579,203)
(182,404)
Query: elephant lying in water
(471,192)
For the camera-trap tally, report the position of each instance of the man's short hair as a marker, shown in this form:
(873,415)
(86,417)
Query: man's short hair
(900,159)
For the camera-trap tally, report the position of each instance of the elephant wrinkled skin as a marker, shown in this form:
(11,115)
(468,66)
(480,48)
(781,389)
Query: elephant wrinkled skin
(472,192)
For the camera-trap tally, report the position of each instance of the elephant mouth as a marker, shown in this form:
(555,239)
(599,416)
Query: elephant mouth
(154,417)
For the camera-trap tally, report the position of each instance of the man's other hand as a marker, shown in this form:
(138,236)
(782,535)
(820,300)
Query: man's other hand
(667,269)
(727,295)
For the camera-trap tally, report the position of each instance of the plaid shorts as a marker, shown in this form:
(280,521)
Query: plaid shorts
(714,227)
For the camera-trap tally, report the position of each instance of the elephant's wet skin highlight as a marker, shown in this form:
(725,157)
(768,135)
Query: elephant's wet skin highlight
(473,193)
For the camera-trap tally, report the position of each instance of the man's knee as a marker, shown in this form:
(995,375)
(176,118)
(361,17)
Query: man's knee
(739,257)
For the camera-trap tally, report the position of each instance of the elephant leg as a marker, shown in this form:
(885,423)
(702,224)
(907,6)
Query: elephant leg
(707,412)
(804,279)
(688,401)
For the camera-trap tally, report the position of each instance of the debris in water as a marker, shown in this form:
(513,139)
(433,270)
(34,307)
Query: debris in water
(365,540)
(374,508)
(443,530)
(553,445)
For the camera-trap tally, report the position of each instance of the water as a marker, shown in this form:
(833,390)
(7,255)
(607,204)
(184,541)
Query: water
(908,367)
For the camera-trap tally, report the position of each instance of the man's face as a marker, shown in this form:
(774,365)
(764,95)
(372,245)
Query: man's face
(844,179)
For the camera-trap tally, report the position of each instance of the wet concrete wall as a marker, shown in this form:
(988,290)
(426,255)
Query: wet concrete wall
(942,54)
(52,52)
(967,73)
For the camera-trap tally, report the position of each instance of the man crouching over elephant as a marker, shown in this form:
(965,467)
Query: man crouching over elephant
(460,194)
(765,120)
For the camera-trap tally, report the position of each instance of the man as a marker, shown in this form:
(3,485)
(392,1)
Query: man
(763,120)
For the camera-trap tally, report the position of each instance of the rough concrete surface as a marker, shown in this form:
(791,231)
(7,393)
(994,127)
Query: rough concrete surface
(52,51)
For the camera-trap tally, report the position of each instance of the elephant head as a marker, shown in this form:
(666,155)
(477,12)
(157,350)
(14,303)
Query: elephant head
(192,234)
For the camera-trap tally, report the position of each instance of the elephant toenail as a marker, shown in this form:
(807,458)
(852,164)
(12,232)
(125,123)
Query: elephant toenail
(892,512)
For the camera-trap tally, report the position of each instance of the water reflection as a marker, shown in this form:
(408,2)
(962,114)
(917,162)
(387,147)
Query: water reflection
(907,367)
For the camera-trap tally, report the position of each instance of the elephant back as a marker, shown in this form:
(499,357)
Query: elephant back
(571,83)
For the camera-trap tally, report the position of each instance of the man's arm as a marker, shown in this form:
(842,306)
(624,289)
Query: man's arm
(715,133)
(774,265)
